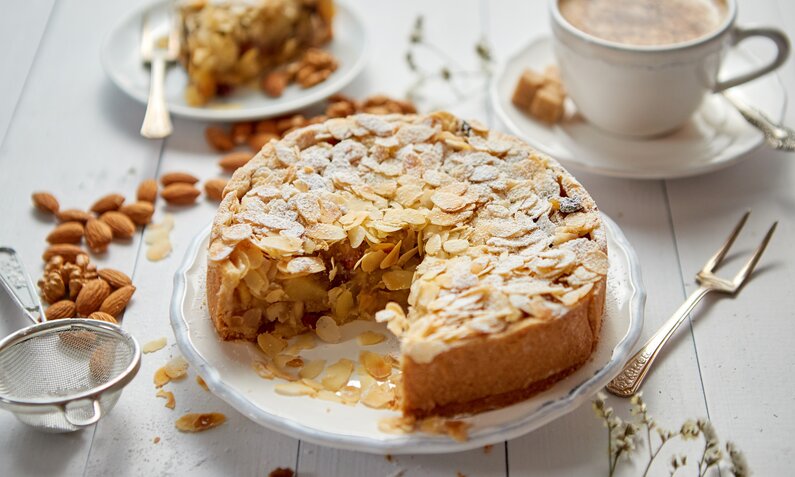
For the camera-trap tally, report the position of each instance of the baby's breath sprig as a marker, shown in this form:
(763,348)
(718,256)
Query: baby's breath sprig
(623,437)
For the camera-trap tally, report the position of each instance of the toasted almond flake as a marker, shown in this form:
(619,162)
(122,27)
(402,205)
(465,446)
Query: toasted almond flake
(327,395)
(328,330)
(284,361)
(301,342)
(294,389)
(433,245)
(262,370)
(455,246)
(312,384)
(372,260)
(199,422)
(161,378)
(379,396)
(177,368)
(448,202)
(350,394)
(312,369)
(201,383)
(280,373)
(169,396)
(270,345)
(375,364)
(326,232)
(398,279)
(337,375)
(394,362)
(392,257)
(154,345)
(368,338)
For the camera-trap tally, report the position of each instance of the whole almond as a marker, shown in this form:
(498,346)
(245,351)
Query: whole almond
(180,193)
(91,296)
(174,177)
(68,251)
(45,202)
(108,202)
(234,160)
(117,301)
(61,309)
(241,131)
(102,316)
(273,83)
(115,278)
(139,212)
(257,141)
(218,139)
(74,215)
(121,225)
(214,188)
(67,232)
(98,235)
(147,191)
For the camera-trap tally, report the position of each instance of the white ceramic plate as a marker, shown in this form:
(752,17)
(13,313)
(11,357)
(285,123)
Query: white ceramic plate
(122,62)
(715,137)
(226,367)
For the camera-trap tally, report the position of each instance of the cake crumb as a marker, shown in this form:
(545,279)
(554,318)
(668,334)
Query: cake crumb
(388,457)
(282,472)
(156,440)
(487,449)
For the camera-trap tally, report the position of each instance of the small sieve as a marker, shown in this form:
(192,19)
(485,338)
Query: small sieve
(61,375)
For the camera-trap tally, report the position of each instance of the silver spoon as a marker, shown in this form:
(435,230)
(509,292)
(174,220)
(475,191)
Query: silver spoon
(777,135)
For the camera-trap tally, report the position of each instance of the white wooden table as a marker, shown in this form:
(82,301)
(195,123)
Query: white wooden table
(65,128)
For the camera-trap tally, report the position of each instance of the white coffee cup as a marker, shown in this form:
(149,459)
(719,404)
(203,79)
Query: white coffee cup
(645,91)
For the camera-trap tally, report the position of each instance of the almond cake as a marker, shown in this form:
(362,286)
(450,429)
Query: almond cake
(228,43)
(484,257)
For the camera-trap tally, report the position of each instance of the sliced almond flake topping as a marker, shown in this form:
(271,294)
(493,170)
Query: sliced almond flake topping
(375,124)
(270,345)
(375,364)
(176,368)
(326,232)
(448,202)
(154,345)
(328,330)
(280,245)
(219,251)
(392,257)
(199,422)
(288,155)
(171,403)
(455,246)
(326,395)
(397,279)
(379,396)
(236,233)
(484,174)
(368,338)
(312,369)
(296,388)
(350,394)
(337,375)
(262,370)
(301,265)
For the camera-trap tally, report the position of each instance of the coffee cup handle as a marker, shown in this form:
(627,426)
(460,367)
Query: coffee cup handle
(776,36)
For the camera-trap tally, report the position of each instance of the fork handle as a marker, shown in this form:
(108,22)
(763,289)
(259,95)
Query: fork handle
(634,372)
(157,123)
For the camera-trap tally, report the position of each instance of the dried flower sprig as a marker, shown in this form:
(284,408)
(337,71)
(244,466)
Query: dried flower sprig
(447,69)
(623,437)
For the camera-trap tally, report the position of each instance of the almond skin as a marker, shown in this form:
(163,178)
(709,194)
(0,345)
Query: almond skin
(258,141)
(91,296)
(45,202)
(218,139)
(102,316)
(121,225)
(214,188)
(115,278)
(117,301)
(147,191)
(107,203)
(61,309)
(232,161)
(68,251)
(74,215)
(139,212)
(174,177)
(67,232)
(180,193)
(98,235)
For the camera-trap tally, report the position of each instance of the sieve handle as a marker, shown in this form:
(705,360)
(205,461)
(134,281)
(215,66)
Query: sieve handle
(85,422)
(17,281)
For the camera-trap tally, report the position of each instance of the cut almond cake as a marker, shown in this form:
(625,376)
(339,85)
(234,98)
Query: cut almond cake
(485,258)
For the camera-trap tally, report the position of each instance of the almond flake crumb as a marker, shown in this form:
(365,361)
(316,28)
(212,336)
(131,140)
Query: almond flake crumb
(177,368)
(370,338)
(201,383)
(161,378)
(155,345)
(169,396)
(195,422)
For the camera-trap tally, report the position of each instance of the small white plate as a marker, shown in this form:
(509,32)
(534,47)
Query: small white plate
(227,368)
(715,137)
(122,62)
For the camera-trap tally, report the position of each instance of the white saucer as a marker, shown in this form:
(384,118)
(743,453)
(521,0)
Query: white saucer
(715,137)
(227,368)
(122,63)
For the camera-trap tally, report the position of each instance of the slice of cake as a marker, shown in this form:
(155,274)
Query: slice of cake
(228,43)
(485,258)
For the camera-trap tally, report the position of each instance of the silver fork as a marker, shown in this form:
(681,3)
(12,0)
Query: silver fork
(777,135)
(634,372)
(157,123)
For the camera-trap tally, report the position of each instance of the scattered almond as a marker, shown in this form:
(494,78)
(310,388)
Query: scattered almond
(61,309)
(139,212)
(273,83)
(328,330)
(337,374)
(176,368)
(214,188)
(154,345)
(368,338)
(68,251)
(199,422)
(375,364)
(122,226)
(107,203)
(174,177)
(218,139)
(180,193)
(91,296)
(270,345)
(312,369)
(101,316)
(378,396)
(169,397)
(45,202)
(161,378)
(234,160)
(257,141)
(74,215)
(115,278)
(117,301)
(147,191)
(98,235)
(265,126)
(241,131)
(67,232)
